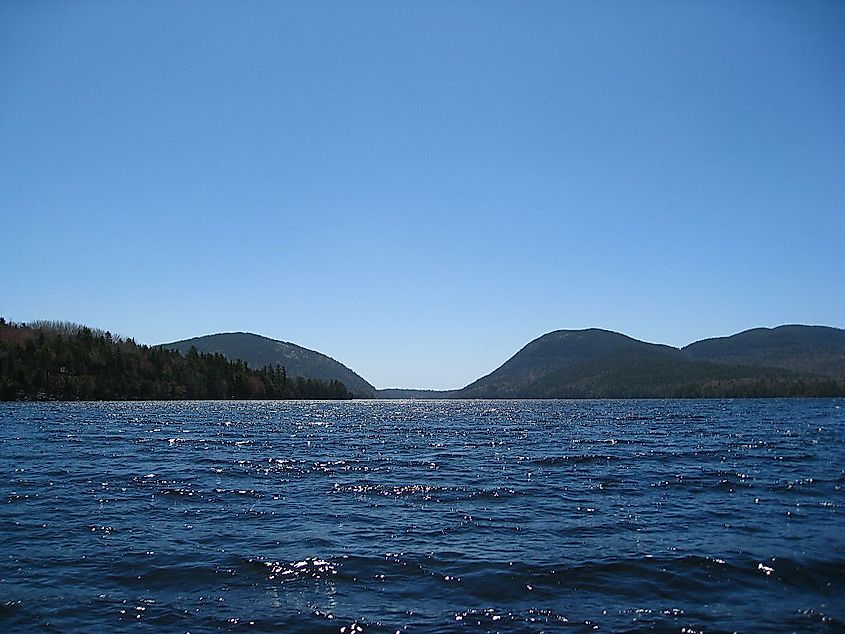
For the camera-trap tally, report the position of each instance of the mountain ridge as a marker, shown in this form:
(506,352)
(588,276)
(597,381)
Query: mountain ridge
(786,360)
(258,351)
(792,359)
(596,363)
(816,349)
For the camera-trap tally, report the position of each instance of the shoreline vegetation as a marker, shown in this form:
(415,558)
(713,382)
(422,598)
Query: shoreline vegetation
(62,361)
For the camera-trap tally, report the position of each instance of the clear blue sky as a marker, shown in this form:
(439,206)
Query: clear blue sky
(420,188)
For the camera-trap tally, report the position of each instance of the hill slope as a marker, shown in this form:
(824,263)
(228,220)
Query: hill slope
(554,353)
(602,364)
(807,349)
(64,361)
(258,351)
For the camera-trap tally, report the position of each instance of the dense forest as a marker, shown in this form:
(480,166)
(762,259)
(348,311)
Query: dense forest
(63,361)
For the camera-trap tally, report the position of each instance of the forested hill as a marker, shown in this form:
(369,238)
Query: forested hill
(526,373)
(258,351)
(59,361)
(818,350)
(593,363)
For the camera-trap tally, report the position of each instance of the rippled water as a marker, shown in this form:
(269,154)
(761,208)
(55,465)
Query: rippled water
(423,516)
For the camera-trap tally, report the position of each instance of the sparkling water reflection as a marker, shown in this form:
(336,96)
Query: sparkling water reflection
(423,516)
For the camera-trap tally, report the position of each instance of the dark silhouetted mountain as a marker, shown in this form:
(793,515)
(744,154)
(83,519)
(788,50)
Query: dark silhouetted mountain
(597,363)
(258,351)
(806,349)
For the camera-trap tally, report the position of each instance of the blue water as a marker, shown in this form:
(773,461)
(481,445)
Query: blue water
(374,516)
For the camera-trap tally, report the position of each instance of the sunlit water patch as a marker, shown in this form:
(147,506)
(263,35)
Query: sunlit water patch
(385,516)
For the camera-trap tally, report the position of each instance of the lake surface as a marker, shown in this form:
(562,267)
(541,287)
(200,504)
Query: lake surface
(443,516)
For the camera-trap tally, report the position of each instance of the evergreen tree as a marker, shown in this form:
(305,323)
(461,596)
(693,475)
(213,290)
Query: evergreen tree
(61,361)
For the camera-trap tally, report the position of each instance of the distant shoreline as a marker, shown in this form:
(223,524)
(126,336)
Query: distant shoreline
(60,361)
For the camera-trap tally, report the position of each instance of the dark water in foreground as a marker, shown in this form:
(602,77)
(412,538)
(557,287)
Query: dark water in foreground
(423,516)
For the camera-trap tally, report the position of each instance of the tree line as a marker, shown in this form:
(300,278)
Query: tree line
(64,361)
